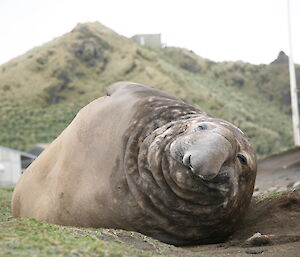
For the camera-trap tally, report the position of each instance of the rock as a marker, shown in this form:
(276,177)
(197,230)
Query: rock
(88,51)
(282,58)
(256,193)
(290,185)
(90,48)
(258,239)
(254,251)
(190,64)
(272,189)
(280,189)
(296,184)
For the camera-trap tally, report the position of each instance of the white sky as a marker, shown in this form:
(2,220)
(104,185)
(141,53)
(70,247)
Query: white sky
(249,30)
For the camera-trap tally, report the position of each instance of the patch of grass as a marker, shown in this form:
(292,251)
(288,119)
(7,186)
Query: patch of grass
(5,197)
(29,237)
(270,196)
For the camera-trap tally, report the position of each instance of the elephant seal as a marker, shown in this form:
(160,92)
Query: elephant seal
(140,159)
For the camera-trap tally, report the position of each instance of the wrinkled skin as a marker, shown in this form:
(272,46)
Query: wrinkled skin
(142,160)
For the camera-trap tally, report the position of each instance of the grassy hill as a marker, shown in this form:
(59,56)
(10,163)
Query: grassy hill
(42,90)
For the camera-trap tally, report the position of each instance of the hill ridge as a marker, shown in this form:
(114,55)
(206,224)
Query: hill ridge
(42,90)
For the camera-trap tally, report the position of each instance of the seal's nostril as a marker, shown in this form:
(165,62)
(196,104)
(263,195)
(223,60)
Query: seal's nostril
(187,160)
(190,165)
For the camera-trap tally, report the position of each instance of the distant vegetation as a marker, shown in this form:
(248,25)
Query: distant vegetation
(42,90)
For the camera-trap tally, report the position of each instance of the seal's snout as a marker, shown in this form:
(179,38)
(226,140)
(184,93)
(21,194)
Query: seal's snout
(203,164)
(206,157)
(205,149)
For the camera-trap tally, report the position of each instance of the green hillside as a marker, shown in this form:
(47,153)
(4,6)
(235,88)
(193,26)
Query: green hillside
(42,90)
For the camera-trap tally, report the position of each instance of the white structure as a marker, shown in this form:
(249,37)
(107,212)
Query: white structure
(149,40)
(10,165)
(293,84)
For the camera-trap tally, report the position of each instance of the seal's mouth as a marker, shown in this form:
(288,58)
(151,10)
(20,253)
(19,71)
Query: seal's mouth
(206,178)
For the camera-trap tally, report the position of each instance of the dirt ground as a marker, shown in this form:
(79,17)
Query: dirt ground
(271,213)
(278,218)
(274,212)
(278,172)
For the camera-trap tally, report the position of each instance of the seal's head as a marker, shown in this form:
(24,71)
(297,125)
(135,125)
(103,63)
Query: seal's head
(214,148)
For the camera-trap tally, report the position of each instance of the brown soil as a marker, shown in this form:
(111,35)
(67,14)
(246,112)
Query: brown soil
(278,218)
(279,171)
(276,215)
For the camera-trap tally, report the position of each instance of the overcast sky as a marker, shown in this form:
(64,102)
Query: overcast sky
(221,30)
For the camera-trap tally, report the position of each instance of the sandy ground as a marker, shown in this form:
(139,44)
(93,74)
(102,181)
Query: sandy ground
(278,218)
(278,172)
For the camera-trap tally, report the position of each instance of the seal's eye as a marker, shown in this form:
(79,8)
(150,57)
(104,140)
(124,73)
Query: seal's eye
(242,159)
(201,127)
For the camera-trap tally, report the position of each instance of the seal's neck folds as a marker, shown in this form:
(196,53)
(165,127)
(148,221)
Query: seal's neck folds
(166,190)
